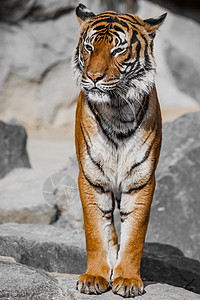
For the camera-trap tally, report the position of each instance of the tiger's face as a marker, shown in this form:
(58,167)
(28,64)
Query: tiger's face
(114,55)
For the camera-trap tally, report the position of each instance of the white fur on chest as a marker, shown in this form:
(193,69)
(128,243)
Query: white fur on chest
(116,163)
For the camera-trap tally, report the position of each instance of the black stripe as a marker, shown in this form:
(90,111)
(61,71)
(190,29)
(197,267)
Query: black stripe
(138,48)
(147,59)
(117,28)
(127,20)
(84,33)
(133,40)
(146,47)
(124,214)
(89,153)
(140,187)
(96,186)
(108,214)
(116,34)
(103,19)
(154,125)
(100,27)
(132,17)
(144,158)
(119,21)
(143,113)
(87,133)
(107,14)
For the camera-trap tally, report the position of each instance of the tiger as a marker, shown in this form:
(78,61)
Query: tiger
(118,139)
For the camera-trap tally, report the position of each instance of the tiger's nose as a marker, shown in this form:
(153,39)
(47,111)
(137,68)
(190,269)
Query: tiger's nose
(95,77)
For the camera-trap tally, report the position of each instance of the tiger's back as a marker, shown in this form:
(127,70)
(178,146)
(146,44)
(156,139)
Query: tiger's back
(118,138)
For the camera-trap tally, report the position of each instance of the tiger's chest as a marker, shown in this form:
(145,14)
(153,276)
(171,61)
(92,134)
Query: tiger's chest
(116,169)
(117,154)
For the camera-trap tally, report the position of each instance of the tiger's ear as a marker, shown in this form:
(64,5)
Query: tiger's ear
(154,23)
(83,13)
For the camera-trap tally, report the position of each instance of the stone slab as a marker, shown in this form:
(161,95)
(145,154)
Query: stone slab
(21,198)
(21,282)
(63,250)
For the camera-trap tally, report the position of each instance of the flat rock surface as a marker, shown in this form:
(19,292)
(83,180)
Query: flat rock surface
(22,200)
(154,291)
(63,251)
(13,152)
(47,247)
(21,282)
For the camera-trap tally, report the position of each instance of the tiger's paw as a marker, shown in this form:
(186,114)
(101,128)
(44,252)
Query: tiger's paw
(89,284)
(128,287)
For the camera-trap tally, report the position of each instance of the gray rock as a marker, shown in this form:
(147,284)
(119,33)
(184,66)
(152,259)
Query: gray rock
(47,247)
(22,282)
(167,264)
(154,291)
(176,207)
(186,78)
(175,55)
(37,10)
(13,152)
(59,250)
(22,200)
(66,196)
(48,32)
(189,9)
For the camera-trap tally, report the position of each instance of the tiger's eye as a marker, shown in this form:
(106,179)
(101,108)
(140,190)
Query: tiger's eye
(88,48)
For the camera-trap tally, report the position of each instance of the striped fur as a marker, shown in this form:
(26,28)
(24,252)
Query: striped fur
(118,138)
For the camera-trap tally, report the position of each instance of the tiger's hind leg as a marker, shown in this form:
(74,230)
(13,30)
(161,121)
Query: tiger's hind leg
(134,211)
(97,211)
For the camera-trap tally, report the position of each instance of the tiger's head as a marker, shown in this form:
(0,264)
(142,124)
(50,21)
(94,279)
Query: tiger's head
(114,55)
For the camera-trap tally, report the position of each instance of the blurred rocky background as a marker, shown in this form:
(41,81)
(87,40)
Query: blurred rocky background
(40,211)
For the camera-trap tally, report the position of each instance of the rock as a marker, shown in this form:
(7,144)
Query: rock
(176,208)
(17,10)
(13,152)
(174,55)
(167,264)
(22,282)
(63,251)
(154,291)
(47,247)
(65,195)
(189,9)
(22,200)
(48,32)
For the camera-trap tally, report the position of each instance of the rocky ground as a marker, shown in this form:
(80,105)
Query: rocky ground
(39,285)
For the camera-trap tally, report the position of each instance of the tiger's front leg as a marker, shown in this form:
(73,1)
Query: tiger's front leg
(97,211)
(134,211)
